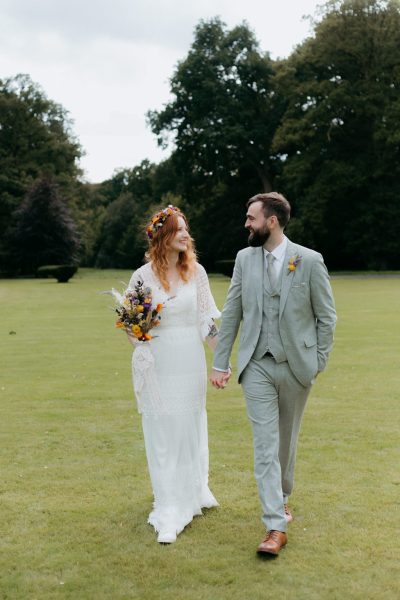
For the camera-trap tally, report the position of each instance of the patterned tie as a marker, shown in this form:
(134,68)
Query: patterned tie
(271,271)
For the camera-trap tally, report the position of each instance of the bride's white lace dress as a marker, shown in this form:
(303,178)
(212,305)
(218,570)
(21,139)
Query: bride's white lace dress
(170,380)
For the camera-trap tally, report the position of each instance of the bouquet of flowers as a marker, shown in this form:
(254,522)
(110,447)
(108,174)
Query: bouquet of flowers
(136,312)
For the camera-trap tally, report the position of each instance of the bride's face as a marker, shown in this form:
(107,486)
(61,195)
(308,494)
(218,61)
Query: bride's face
(179,242)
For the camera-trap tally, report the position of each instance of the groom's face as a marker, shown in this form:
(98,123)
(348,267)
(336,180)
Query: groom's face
(257,225)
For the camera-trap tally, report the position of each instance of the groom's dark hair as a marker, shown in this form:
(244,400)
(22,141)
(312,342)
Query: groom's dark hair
(273,204)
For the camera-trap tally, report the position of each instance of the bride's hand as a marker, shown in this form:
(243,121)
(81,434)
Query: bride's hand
(132,339)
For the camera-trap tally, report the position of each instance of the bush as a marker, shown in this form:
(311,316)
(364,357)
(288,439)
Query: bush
(225,266)
(62,273)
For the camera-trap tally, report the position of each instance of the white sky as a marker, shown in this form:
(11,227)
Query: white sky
(108,63)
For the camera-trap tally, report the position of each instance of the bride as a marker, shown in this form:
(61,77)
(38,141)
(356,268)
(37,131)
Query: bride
(170,377)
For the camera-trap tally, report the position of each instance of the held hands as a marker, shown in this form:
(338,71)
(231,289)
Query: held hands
(219,379)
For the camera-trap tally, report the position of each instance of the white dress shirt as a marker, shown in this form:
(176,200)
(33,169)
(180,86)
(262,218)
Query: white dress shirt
(279,254)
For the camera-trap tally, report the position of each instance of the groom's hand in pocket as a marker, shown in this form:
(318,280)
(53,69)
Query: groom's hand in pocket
(219,379)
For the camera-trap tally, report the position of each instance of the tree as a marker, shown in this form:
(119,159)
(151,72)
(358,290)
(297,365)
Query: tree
(35,139)
(224,113)
(121,242)
(131,195)
(221,121)
(44,233)
(88,206)
(339,140)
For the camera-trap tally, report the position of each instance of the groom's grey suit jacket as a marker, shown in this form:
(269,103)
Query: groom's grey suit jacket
(307,314)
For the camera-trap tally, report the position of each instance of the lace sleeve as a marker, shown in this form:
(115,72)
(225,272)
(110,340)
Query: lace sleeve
(136,275)
(207,309)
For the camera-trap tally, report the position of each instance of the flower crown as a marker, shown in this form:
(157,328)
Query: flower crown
(159,219)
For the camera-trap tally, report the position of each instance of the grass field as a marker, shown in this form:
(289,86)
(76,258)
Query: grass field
(74,489)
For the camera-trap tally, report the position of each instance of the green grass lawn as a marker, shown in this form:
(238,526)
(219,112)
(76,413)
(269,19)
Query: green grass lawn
(74,488)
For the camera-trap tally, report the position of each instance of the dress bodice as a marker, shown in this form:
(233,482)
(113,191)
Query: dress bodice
(169,371)
(180,306)
(190,304)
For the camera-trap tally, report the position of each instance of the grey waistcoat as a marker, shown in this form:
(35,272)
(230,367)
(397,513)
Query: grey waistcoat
(270,339)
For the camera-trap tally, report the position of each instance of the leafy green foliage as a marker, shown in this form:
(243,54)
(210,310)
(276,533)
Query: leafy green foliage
(222,121)
(131,195)
(117,243)
(223,115)
(44,233)
(322,127)
(339,139)
(35,139)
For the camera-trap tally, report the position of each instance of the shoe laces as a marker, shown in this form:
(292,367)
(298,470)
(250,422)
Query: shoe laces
(274,535)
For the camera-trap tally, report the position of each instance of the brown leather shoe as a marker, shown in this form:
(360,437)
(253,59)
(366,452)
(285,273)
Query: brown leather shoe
(273,543)
(288,515)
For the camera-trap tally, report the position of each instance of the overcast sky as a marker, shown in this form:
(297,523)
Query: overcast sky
(109,62)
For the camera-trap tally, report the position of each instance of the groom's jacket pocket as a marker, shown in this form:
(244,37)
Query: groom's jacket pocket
(301,285)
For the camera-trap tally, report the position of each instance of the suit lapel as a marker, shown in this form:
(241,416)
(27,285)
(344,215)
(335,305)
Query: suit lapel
(287,277)
(258,274)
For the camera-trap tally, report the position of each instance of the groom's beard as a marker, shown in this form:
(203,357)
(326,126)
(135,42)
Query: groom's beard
(258,238)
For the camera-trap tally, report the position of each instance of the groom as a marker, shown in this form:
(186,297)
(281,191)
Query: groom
(280,293)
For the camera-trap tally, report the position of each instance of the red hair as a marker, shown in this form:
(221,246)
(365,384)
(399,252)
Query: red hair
(159,246)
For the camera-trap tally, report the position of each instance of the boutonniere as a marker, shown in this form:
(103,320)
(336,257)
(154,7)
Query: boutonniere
(293,262)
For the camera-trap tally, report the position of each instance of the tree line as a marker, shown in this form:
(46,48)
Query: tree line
(321,126)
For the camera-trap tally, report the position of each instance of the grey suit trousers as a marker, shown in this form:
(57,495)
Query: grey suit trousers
(275,404)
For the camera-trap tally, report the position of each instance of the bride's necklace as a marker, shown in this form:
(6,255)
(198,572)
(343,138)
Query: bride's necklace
(174,283)
(174,279)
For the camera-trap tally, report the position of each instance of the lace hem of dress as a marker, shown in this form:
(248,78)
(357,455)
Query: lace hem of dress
(174,519)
